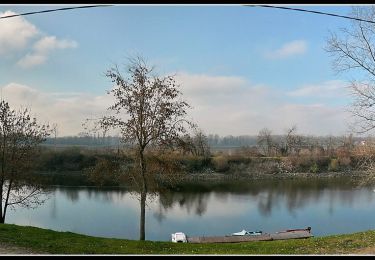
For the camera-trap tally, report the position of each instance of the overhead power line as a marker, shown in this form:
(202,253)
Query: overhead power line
(315,12)
(266,6)
(54,10)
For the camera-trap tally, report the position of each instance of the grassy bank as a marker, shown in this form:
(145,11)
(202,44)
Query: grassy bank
(52,242)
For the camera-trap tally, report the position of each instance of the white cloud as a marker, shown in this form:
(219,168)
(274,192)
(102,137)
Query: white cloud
(19,92)
(222,105)
(68,110)
(49,43)
(15,33)
(30,60)
(332,88)
(249,107)
(288,49)
(202,85)
(17,36)
(315,119)
(42,48)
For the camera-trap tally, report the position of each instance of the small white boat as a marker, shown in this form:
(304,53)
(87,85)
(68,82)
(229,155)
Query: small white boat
(247,233)
(179,237)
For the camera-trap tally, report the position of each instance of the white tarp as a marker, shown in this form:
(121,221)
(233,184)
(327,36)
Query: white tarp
(244,233)
(179,237)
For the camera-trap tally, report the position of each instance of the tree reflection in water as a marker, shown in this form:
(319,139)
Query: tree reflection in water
(270,198)
(269,194)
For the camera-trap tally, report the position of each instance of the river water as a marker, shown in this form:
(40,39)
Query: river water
(328,206)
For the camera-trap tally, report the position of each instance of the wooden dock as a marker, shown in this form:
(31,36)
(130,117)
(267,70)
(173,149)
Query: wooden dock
(291,235)
(228,239)
(295,234)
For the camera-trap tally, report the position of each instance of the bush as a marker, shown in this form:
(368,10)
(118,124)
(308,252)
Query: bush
(286,165)
(70,159)
(105,172)
(220,163)
(333,165)
(314,168)
(344,161)
(302,163)
(196,163)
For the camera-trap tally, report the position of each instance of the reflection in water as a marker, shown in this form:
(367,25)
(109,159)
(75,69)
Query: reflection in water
(270,194)
(53,207)
(191,201)
(72,194)
(329,206)
(265,204)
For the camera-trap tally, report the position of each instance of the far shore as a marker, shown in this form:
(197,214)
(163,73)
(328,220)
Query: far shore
(285,175)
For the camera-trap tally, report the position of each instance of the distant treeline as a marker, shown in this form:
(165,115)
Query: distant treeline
(214,140)
(112,141)
(68,166)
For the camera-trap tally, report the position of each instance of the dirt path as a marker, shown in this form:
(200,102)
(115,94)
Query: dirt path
(6,249)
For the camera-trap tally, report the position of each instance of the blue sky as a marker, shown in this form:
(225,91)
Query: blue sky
(242,68)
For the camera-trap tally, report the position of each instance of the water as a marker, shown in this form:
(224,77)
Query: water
(329,206)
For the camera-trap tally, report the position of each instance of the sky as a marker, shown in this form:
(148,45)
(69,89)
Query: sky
(240,68)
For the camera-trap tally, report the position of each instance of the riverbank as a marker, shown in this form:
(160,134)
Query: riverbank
(44,241)
(268,176)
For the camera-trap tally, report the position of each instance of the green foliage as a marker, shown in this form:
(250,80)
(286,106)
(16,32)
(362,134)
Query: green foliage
(322,161)
(104,173)
(314,168)
(333,165)
(196,163)
(69,159)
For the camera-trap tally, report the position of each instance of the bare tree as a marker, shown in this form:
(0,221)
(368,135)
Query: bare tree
(331,143)
(97,129)
(20,136)
(265,141)
(196,145)
(354,50)
(55,131)
(293,141)
(150,115)
(201,144)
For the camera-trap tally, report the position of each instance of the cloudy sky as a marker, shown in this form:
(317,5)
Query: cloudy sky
(241,68)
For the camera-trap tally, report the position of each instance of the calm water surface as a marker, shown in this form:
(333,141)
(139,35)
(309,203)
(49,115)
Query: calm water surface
(333,206)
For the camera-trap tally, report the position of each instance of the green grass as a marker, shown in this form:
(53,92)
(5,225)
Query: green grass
(53,242)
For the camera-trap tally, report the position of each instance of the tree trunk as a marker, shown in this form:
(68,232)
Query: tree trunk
(6,201)
(142,224)
(1,202)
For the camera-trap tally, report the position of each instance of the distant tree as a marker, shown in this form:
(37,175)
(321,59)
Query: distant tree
(330,145)
(151,117)
(20,136)
(348,142)
(96,129)
(293,141)
(201,146)
(196,145)
(213,139)
(265,141)
(55,132)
